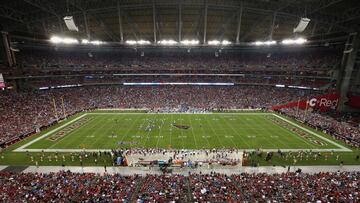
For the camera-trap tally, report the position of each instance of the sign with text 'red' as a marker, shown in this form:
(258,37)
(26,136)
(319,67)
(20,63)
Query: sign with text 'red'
(322,103)
(2,82)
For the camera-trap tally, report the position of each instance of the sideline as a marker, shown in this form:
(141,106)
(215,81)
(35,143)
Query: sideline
(344,149)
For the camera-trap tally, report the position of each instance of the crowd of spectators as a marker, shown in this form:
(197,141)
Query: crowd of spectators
(31,61)
(25,112)
(214,187)
(339,128)
(66,187)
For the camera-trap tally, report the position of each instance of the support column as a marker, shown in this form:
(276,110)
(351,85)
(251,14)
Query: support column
(154,21)
(120,23)
(86,26)
(205,22)
(272,26)
(239,25)
(180,23)
(346,69)
(5,51)
(313,29)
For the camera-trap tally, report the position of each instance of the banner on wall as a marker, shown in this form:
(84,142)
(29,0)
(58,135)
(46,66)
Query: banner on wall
(354,101)
(321,103)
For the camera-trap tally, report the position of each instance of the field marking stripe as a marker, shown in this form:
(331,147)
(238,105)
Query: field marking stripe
(94,129)
(236,132)
(130,129)
(192,132)
(241,113)
(273,132)
(313,133)
(248,150)
(48,133)
(69,135)
(293,134)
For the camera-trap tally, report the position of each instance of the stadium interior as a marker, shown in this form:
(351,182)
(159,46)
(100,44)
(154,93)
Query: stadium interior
(180,101)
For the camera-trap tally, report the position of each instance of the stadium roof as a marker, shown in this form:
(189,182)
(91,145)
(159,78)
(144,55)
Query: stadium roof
(204,20)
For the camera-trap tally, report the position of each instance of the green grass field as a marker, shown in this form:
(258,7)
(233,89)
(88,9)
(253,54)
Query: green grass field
(180,131)
(106,130)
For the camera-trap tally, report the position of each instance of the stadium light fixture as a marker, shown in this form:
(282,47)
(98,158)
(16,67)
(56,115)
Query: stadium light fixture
(260,43)
(84,41)
(96,42)
(56,40)
(190,42)
(225,42)
(214,42)
(66,40)
(69,40)
(167,42)
(140,42)
(217,42)
(294,41)
(131,42)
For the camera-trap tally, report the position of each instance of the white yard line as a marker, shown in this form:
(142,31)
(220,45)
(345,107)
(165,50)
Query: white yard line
(315,134)
(193,134)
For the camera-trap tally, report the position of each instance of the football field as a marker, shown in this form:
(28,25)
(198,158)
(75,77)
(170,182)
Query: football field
(248,130)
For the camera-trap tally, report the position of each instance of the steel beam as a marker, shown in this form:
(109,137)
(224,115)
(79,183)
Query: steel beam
(223,28)
(12,14)
(120,22)
(135,32)
(40,5)
(205,21)
(239,25)
(179,22)
(44,27)
(154,21)
(86,26)
(272,27)
(346,69)
(323,4)
(60,24)
(313,29)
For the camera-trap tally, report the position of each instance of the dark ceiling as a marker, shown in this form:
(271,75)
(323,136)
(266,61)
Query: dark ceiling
(233,20)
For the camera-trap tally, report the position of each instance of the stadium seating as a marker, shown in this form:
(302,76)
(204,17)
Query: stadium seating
(22,113)
(88,187)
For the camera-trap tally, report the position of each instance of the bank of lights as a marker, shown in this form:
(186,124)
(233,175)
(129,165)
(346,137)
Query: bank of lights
(140,42)
(68,40)
(217,42)
(190,42)
(261,43)
(294,41)
(65,40)
(95,42)
(167,42)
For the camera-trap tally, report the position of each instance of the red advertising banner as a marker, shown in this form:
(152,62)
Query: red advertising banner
(322,103)
(354,101)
